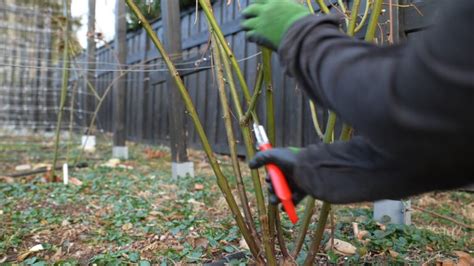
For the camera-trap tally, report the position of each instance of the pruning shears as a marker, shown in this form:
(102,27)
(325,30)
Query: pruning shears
(280,185)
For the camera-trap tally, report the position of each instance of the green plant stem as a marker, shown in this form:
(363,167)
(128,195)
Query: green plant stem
(246,133)
(207,8)
(346,132)
(342,6)
(253,101)
(314,117)
(65,79)
(231,82)
(330,127)
(273,213)
(318,235)
(250,153)
(71,117)
(221,179)
(280,237)
(230,133)
(323,6)
(364,17)
(343,10)
(310,6)
(99,105)
(270,107)
(312,105)
(353,18)
(308,213)
(374,19)
(309,206)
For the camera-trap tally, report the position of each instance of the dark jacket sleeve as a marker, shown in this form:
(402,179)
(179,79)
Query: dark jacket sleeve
(412,102)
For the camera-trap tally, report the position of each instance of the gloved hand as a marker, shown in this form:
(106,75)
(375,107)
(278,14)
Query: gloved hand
(266,21)
(285,159)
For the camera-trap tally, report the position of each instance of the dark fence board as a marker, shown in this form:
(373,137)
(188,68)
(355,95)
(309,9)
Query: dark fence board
(147,95)
(419,15)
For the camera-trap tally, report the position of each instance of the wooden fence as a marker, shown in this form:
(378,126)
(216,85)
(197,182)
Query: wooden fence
(147,95)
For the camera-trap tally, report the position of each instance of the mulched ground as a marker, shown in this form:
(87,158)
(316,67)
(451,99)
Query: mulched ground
(134,212)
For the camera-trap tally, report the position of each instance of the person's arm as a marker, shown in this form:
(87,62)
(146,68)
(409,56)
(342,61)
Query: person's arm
(353,171)
(377,89)
(356,171)
(346,172)
(411,105)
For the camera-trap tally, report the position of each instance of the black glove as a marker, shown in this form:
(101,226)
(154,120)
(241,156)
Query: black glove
(285,159)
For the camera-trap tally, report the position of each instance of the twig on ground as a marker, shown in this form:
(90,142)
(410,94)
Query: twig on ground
(471,227)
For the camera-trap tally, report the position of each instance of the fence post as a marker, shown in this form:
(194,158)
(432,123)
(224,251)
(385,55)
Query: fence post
(172,31)
(88,140)
(396,210)
(119,149)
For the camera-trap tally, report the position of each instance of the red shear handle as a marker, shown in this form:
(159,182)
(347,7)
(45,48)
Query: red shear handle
(279,182)
(280,186)
(282,191)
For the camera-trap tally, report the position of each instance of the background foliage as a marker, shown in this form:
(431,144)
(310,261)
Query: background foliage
(152,11)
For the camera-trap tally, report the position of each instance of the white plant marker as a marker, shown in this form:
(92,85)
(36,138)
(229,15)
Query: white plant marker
(65,174)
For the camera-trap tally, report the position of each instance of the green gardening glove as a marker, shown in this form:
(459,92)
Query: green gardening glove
(286,159)
(267,21)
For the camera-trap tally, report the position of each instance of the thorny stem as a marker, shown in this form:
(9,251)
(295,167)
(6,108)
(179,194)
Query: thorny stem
(342,6)
(250,153)
(270,126)
(281,238)
(270,109)
(256,94)
(229,130)
(245,130)
(272,213)
(207,8)
(221,179)
(353,18)
(343,10)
